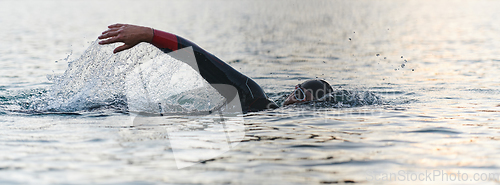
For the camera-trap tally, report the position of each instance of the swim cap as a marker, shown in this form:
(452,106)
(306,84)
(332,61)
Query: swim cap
(318,88)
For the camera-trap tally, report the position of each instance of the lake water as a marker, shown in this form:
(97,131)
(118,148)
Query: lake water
(419,77)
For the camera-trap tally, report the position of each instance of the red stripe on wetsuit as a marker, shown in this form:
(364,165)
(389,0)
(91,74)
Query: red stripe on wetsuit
(163,39)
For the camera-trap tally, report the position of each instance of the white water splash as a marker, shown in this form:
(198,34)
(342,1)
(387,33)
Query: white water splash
(138,79)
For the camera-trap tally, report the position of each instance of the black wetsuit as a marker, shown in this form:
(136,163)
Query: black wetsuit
(215,71)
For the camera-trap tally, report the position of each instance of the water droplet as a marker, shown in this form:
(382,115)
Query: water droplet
(349,38)
(378,54)
(385,57)
(406,61)
(395,69)
(401,56)
(403,65)
(412,69)
(324,62)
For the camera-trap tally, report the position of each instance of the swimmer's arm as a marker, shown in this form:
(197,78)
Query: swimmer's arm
(131,35)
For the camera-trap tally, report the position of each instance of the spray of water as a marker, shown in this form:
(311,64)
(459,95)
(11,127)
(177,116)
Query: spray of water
(142,79)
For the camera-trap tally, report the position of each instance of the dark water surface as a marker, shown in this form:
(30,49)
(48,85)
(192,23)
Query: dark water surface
(419,79)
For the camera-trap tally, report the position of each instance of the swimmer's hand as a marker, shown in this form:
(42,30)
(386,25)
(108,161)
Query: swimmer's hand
(130,35)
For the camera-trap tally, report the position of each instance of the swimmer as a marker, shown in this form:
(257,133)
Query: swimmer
(211,68)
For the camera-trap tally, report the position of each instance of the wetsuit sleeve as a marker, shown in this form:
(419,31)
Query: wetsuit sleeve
(216,71)
(164,40)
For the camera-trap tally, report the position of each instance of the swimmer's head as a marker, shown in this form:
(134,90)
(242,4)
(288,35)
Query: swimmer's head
(308,91)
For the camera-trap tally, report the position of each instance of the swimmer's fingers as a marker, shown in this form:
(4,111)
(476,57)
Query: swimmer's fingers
(110,30)
(118,25)
(122,48)
(113,31)
(112,36)
(109,34)
(130,35)
(110,40)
